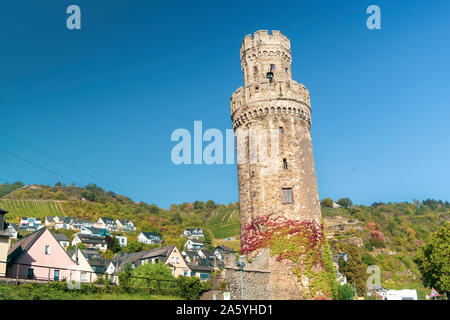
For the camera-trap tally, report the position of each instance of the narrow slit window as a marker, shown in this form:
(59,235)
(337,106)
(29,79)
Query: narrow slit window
(281,130)
(285,166)
(272,67)
(287,195)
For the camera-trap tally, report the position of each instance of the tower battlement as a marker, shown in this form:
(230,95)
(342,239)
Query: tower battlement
(263,37)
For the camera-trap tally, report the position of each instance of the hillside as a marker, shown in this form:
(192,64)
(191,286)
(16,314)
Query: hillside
(387,235)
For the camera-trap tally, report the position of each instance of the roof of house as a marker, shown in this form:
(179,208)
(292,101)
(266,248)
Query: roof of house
(159,252)
(120,260)
(25,218)
(108,220)
(151,234)
(199,267)
(21,246)
(60,236)
(85,238)
(124,221)
(225,249)
(96,230)
(194,230)
(191,254)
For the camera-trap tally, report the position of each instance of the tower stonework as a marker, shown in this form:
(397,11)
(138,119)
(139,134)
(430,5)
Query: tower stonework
(272,102)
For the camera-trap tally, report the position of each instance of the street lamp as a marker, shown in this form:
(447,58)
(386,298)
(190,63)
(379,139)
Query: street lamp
(241,267)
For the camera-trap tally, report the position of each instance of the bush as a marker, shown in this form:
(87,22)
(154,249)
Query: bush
(345,292)
(326,203)
(191,288)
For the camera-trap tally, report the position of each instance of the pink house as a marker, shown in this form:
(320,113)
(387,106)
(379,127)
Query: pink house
(40,256)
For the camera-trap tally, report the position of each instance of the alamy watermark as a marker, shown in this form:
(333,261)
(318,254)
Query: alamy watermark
(255,146)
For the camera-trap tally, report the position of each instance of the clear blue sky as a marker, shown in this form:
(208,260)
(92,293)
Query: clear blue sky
(106,98)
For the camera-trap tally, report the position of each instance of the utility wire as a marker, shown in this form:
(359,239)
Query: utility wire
(38,165)
(58,160)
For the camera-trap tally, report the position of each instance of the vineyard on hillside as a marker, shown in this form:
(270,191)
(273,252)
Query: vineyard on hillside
(224,223)
(31,208)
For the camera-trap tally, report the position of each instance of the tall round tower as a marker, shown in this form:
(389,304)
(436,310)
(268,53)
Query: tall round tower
(272,114)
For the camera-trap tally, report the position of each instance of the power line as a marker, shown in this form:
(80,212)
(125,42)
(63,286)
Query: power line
(38,165)
(61,161)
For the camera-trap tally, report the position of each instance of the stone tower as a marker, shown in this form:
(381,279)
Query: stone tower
(272,102)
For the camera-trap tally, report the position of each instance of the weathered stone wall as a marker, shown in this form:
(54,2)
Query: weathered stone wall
(255,277)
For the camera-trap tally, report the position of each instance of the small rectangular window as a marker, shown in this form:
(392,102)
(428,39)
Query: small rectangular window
(287,195)
(281,130)
(47,249)
(285,164)
(272,67)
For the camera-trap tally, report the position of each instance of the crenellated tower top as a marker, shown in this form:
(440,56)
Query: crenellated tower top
(266,57)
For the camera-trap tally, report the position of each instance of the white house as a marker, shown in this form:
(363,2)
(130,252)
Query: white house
(192,233)
(193,245)
(91,242)
(106,223)
(30,224)
(149,238)
(13,229)
(125,225)
(122,240)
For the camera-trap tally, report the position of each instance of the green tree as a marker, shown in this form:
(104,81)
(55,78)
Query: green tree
(345,292)
(191,287)
(354,269)
(113,244)
(345,202)
(326,203)
(155,277)
(433,260)
(210,204)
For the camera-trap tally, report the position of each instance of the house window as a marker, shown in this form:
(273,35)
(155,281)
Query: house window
(272,67)
(255,69)
(185,273)
(30,274)
(56,275)
(178,259)
(47,249)
(287,195)
(285,163)
(172,260)
(281,130)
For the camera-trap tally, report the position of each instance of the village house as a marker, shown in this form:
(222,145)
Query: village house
(62,240)
(193,233)
(193,245)
(122,240)
(125,225)
(58,222)
(90,263)
(40,256)
(199,270)
(90,242)
(77,224)
(96,232)
(167,255)
(29,224)
(106,223)
(13,229)
(149,238)
(4,243)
